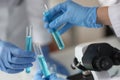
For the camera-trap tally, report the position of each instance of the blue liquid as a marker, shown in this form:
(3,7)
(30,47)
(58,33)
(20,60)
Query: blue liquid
(56,35)
(28,70)
(58,40)
(28,48)
(43,65)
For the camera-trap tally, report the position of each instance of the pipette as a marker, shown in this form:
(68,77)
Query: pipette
(41,60)
(28,42)
(55,33)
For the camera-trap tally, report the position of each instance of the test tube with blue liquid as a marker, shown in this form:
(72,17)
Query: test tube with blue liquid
(55,33)
(41,59)
(28,45)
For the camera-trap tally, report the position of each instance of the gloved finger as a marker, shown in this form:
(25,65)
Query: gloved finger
(54,12)
(57,9)
(17,66)
(56,23)
(21,53)
(51,30)
(12,71)
(53,77)
(45,17)
(38,76)
(16,60)
(46,25)
(65,28)
(9,44)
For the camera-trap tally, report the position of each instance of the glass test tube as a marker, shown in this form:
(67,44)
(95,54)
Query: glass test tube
(41,60)
(58,40)
(55,34)
(43,65)
(28,43)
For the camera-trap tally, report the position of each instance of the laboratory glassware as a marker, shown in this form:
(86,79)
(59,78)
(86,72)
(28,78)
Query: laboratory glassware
(28,42)
(55,33)
(41,59)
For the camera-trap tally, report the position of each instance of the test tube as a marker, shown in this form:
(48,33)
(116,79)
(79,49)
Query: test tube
(58,40)
(28,42)
(43,65)
(55,33)
(41,60)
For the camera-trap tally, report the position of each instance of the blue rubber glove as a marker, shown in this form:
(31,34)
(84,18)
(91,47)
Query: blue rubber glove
(13,59)
(60,68)
(39,76)
(69,14)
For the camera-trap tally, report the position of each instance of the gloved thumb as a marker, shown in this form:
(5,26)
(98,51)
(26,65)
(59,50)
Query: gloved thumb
(58,22)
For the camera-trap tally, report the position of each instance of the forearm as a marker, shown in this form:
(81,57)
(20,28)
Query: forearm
(103,16)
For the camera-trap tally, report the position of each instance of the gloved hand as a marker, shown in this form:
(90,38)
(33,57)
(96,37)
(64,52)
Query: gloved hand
(14,59)
(70,14)
(39,76)
(59,68)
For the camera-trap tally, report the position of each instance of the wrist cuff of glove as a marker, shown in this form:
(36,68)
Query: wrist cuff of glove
(92,18)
